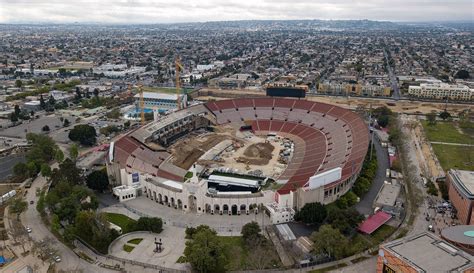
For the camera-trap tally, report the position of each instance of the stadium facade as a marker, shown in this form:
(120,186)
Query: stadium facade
(330,144)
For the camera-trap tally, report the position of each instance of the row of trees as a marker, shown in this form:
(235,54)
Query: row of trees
(367,174)
(207,252)
(42,151)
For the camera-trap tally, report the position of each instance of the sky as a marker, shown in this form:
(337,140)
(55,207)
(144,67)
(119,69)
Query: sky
(172,11)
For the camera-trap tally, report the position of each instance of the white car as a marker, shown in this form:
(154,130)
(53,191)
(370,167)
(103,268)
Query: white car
(57,259)
(28,229)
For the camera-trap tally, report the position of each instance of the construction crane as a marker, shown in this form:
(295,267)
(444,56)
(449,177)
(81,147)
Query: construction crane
(178,68)
(142,104)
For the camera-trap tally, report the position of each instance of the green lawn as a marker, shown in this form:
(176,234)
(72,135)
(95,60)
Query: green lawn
(446,132)
(120,220)
(135,241)
(128,248)
(237,254)
(454,157)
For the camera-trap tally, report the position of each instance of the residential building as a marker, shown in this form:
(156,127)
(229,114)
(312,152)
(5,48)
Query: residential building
(442,91)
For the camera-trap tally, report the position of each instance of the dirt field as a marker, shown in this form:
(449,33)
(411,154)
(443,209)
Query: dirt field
(410,107)
(188,150)
(258,154)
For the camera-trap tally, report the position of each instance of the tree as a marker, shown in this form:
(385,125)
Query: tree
(462,74)
(251,232)
(45,128)
(98,180)
(444,115)
(13,117)
(345,220)
(205,252)
(153,224)
(45,170)
(59,156)
(330,241)
(312,213)
(18,83)
(73,151)
(42,103)
(18,206)
(20,169)
(431,117)
(17,110)
(347,200)
(51,101)
(83,133)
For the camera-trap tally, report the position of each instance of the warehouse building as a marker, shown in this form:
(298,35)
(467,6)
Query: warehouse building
(461,194)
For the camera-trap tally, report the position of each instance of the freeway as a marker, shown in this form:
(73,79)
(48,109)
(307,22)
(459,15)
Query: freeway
(396,90)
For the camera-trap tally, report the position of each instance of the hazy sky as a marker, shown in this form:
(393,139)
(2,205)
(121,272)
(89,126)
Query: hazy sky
(165,11)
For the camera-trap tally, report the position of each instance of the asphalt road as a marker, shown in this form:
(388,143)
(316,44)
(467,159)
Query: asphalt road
(365,205)
(31,218)
(396,90)
(7,163)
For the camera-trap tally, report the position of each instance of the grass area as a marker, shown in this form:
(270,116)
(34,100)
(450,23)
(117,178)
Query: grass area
(165,90)
(446,132)
(128,248)
(362,242)
(120,220)
(237,254)
(135,241)
(327,269)
(457,157)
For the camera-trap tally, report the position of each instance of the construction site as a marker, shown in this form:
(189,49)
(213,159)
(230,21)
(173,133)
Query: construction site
(230,149)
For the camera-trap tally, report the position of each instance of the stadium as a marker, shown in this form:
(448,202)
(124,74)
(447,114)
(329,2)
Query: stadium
(240,156)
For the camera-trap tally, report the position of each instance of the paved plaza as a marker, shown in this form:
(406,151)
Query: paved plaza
(223,224)
(172,248)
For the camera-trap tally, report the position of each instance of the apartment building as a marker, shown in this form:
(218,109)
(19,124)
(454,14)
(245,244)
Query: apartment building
(442,91)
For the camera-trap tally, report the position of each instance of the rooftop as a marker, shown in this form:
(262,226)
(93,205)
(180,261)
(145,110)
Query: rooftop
(462,234)
(375,221)
(428,253)
(465,179)
(155,95)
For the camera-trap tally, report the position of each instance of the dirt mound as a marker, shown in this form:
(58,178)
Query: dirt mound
(257,154)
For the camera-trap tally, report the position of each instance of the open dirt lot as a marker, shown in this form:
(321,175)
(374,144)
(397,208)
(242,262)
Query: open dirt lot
(189,149)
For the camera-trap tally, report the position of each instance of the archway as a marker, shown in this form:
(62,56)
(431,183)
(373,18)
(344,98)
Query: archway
(234,210)
(192,203)
(149,194)
(160,198)
(172,202)
(154,196)
(166,200)
(208,208)
(180,204)
(243,208)
(217,208)
(225,208)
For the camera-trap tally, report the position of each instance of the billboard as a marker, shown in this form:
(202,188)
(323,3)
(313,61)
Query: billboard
(135,178)
(294,92)
(324,178)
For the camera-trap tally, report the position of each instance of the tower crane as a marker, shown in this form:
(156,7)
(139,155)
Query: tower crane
(178,68)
